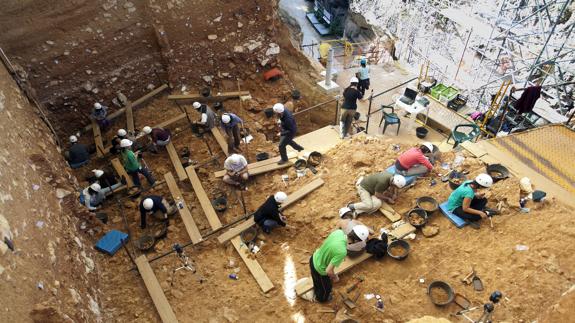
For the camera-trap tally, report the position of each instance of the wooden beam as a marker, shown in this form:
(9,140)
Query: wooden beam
(165,124)
(155,290)
(269,168)
(176,161)
(220,139)
(100,150)
(130,118)
(255,165)
(199,97)
(292,198)
(205,202)
(389,212)
(254,267)
(185,214)
(122,172)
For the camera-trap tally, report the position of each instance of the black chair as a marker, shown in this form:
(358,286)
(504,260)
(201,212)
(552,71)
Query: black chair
(390,118)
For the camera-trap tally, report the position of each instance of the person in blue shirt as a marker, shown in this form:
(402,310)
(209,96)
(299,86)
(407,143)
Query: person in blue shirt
(363,74)
(231,125)
(78,154)
(468,200)
(100,114)
(288,131)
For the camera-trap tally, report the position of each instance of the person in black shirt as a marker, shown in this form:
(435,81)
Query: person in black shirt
(121,134)
(269,215)
(288,131)
(350,96)
(78,154)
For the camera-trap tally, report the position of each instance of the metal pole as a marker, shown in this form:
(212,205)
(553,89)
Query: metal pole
(336,112)
(328,68)
(369,111)
(463,54)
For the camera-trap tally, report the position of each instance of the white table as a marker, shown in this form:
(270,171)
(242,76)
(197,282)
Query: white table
(413,109)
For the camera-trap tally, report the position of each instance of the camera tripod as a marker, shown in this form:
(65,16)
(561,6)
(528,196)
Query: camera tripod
(488,309)
(185,261)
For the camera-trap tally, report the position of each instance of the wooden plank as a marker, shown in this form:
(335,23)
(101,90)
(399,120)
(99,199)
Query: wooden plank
(130,118)
(292,198)
(122,172)
(402,230)
(199,97)
(255,165)
(389,212)
(220,139)
(176,161)
(204,200)
(347,264)
(269,168)
(100,150)
(254,267)
(184,212)
(155,290)
(165,124)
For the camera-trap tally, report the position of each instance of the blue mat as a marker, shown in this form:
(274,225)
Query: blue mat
(408,179)
(457,221)
(111,242)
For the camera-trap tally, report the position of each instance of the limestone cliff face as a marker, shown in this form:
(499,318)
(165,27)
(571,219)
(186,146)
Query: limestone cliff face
(50,276)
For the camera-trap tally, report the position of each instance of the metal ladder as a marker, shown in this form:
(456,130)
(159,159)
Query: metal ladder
(495,104)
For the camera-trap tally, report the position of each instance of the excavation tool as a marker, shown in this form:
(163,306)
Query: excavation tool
(488,309)
(360,279)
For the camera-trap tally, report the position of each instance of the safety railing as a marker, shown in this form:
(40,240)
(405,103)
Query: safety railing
(323,105)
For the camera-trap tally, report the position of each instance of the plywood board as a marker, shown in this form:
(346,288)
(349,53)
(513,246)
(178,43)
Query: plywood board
(122,172)
(100,150)
(254,267)
(199,97)
(389,212)
(255,165)
(221,140)
(180,171)
(269,168)
(184,211)
(155,290)
(402,230)
(474,148)
(236,230)
(130,118)
(205,202)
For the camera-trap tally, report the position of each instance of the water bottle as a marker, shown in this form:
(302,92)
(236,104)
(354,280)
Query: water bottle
(233,276)
(379,302)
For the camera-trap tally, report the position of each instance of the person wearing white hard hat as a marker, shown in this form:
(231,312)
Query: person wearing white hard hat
(106,179)
(348,225)
(269,216)
(155,204)
(468,200)
(415,161)
(159,137)
(375,188)
(120,134)
(77,155)
(236,167)
(231,124)
(288,131)
(208,116)
(100,113)
(132,165)
(92,197)
(350,96)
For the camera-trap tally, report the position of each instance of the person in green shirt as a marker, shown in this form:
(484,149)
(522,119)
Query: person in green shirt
(328,256)
(374,188)
(468,200)
(132,164)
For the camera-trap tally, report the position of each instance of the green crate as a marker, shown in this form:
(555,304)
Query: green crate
(437,90)
(448,94)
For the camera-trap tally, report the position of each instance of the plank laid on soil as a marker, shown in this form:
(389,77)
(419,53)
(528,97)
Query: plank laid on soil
(130,118)
(205,202)
(189,223)
(402,230)
(199,97)
(255,165)
(122,172)
(155,290)
(165,123)
(221,140)
(176,161)
(100,150)
(389,212)
(254,267)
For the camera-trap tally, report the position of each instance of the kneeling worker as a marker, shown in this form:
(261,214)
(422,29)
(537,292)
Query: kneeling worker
(415,161)
(374,188)
(468,200)
(78,154)
(152,204)
(160,137)
(236,167)
(92,197)
(348,224)
(329,256)
(268,215)
(208,118)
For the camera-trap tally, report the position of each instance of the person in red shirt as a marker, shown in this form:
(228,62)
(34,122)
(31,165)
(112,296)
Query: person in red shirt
(415,161)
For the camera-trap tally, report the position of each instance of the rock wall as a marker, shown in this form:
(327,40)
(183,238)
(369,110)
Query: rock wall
(50,275)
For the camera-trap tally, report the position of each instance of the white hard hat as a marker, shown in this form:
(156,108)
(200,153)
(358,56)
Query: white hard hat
(484,180)
(428,145)
(98,172)
(353,80)
(343,211)
(361,231)
(147,130)
(398,180)
(73,139)
(148,204)
(197,105)
(122,132)
(280,197)
(226,118)
(125,143)
(235,158)
(278,108)
(96,187)
(97,105)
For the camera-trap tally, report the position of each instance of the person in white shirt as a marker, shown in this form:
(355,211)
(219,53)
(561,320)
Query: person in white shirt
(236,167)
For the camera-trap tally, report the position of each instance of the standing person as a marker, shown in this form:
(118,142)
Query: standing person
(326,258)
(100,113)
(107,181)
(468,200)
(152,204)
(208,118)
(160,137)
(121,134)
(415,161)
(287,133)
(363,76)
(231,124)
(374,188)
(268,216)
(236,167)
(92,197)
(78,154)
(132,164)
(348,225)
(350,96)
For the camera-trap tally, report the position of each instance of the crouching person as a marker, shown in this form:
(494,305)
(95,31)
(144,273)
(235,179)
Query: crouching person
(374,188)
(268,216)
(468,200)
(416,161)
(155,204)
(92,197)
(348,225)
(236,167)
